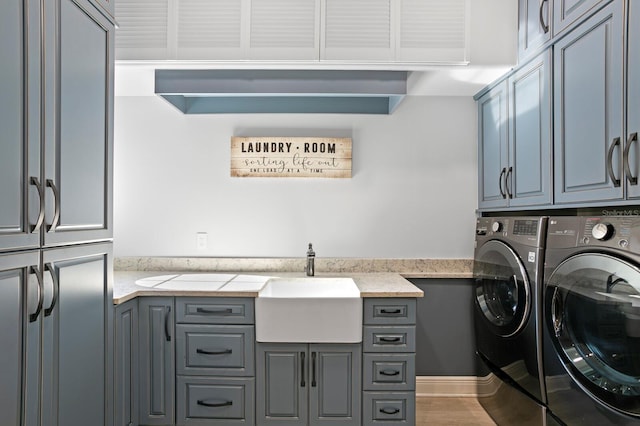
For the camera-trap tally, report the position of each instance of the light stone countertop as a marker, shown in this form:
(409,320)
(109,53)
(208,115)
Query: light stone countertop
(230,284)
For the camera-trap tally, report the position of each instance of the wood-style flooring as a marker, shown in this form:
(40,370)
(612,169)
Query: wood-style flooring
(451,411)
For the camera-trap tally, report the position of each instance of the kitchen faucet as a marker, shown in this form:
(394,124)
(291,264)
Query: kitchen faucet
(311,257)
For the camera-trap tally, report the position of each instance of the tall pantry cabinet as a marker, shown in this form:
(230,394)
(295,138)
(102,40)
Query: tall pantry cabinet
(56,161)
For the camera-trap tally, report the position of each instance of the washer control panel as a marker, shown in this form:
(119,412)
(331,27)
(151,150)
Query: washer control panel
(621,232)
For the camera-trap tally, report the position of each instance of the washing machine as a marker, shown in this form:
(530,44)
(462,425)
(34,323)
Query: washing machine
(508,267)
(591,336)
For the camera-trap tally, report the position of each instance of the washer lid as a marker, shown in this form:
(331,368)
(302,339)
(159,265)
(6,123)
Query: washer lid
(502,288)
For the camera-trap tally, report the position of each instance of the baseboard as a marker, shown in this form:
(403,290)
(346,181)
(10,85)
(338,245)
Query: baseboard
(443,386)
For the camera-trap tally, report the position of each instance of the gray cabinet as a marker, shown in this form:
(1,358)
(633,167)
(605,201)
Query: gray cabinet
(126,363)
(56,157)
(515,138)
(20,334)
(632,150)
(588,119)
(78,122)
(389,362)
(534,26)
(77,336)
(215,362)
(157,361)
(308,384)
(20,124)
(569,12)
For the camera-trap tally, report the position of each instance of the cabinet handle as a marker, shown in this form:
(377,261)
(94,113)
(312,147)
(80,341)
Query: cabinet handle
(313,369)
(56,288)
(502,173)
(391,311)
(302,373)
(390,372)
(35,182)
(390,410)
(214,404)
(616,182)
(56,213)
(227,311)
(389,339)
(206,352)
(545,26)
(34,316)
(507,179)
(166,324)
(633,180)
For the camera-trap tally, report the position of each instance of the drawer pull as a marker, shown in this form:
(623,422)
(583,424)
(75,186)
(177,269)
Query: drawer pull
(206,352)
(390,339)
(227,311)
(389,372)
(391,311)
(214,404)
(390,410)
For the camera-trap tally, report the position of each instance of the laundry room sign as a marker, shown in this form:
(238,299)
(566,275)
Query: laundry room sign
(307,157)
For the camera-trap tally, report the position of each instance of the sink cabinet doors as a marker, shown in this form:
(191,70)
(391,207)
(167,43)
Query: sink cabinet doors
(308,384)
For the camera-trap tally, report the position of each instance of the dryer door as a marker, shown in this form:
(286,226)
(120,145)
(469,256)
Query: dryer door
(502,288)
(593,317)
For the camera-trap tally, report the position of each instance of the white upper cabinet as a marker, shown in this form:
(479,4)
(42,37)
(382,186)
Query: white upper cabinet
(368,31)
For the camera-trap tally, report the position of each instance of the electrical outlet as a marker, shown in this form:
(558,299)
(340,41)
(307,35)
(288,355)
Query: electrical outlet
(201,240)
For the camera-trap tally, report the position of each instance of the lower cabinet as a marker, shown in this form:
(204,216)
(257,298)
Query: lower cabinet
(156,369)
(126,363)
(308,384)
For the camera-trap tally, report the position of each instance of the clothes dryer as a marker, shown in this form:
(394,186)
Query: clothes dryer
(508,266)
(592,320)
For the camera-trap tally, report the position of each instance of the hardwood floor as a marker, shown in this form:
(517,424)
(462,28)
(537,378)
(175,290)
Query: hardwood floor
(450,411)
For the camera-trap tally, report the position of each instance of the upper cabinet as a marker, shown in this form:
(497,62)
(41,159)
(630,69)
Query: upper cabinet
(534,25)
(56,141)
(515,138)
(631,149)
(294,30)
(568,12)
(588,124)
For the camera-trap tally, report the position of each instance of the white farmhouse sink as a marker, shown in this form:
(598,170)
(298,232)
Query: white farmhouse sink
(311,310)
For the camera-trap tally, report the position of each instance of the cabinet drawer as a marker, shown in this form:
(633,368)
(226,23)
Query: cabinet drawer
(389,372)
(387,311)
(214,310)
(389,408)
(389,339)
(215,401)
(222,350)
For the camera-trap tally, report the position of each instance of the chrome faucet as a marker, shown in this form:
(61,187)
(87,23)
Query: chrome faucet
(311,257)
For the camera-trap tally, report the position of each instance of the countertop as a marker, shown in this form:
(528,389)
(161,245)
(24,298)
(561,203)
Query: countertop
(242,284)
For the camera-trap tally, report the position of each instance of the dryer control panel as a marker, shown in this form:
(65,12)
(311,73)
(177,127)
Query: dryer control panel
(619,232)
(524,230)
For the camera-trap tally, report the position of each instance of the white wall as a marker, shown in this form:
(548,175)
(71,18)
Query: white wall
(413,192)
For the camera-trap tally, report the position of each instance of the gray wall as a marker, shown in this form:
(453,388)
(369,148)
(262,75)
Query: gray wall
(445,338)
(412,195)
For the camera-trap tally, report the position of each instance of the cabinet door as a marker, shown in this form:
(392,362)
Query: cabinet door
(19,121)
(534,25)
(157,360)
(282,384)
(567,12)
(492,147)
(632,148)
(335,384)
(126,363)
(77,337)
(530,133)
(588,110)
(19,333)
(356,30)
(78,125)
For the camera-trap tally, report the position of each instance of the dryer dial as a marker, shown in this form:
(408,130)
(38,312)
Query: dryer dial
(496,226)
(602,231)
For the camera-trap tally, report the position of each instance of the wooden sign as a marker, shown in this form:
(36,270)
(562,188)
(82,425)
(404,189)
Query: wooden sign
(290,157)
